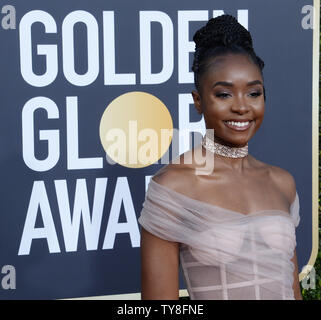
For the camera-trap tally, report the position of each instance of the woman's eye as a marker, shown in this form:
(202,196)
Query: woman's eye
(222,95)
(255,94)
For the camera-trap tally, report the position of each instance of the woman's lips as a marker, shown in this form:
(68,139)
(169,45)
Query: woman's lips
(238,125)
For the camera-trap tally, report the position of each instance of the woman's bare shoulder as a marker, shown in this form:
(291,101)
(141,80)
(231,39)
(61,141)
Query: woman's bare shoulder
(284,181)
(282,178)
(174,176)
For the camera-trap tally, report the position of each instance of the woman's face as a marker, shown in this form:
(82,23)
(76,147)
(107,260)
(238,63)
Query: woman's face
(231,99)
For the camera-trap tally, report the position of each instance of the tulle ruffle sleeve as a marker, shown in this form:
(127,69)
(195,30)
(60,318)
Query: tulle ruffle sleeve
(295,210)
(164,216)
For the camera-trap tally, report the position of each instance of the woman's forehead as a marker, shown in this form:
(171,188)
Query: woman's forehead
(232,68)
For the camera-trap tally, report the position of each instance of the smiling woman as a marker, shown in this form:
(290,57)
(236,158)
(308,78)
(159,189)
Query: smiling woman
(233,230)
(234,105)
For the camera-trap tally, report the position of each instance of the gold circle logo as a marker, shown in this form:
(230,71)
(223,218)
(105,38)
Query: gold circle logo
(136,129)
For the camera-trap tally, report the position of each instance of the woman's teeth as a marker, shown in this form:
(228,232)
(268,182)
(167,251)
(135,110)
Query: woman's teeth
(238,124)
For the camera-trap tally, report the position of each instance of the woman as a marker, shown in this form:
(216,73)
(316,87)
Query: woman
(232,231)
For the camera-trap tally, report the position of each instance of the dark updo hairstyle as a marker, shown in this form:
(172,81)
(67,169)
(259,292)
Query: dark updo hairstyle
(220,36)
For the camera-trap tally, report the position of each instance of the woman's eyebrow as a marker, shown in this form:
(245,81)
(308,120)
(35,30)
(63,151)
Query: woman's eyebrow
(230,84)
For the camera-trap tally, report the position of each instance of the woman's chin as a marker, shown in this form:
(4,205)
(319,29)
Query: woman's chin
(235,142)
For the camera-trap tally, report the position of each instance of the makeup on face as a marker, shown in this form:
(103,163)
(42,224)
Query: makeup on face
(232,99)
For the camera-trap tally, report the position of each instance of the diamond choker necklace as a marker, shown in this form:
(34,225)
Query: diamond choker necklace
(225,151)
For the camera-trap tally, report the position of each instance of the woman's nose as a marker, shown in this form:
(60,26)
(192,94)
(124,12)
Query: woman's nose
(240,105)
(241,109)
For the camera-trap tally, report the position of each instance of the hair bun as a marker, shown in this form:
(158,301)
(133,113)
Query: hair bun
(224,31)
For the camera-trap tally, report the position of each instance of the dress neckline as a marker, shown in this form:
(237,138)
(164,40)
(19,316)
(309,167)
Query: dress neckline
(183,196)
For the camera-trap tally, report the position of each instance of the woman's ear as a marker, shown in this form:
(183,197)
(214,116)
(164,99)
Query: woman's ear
(197,101)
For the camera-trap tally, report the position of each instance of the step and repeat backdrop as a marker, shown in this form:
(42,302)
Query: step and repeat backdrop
(73,70)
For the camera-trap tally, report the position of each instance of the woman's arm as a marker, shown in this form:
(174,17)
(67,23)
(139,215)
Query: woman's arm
(286,183)
(159,268)
(296,282)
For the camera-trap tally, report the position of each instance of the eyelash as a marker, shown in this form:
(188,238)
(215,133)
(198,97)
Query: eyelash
(224,95)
